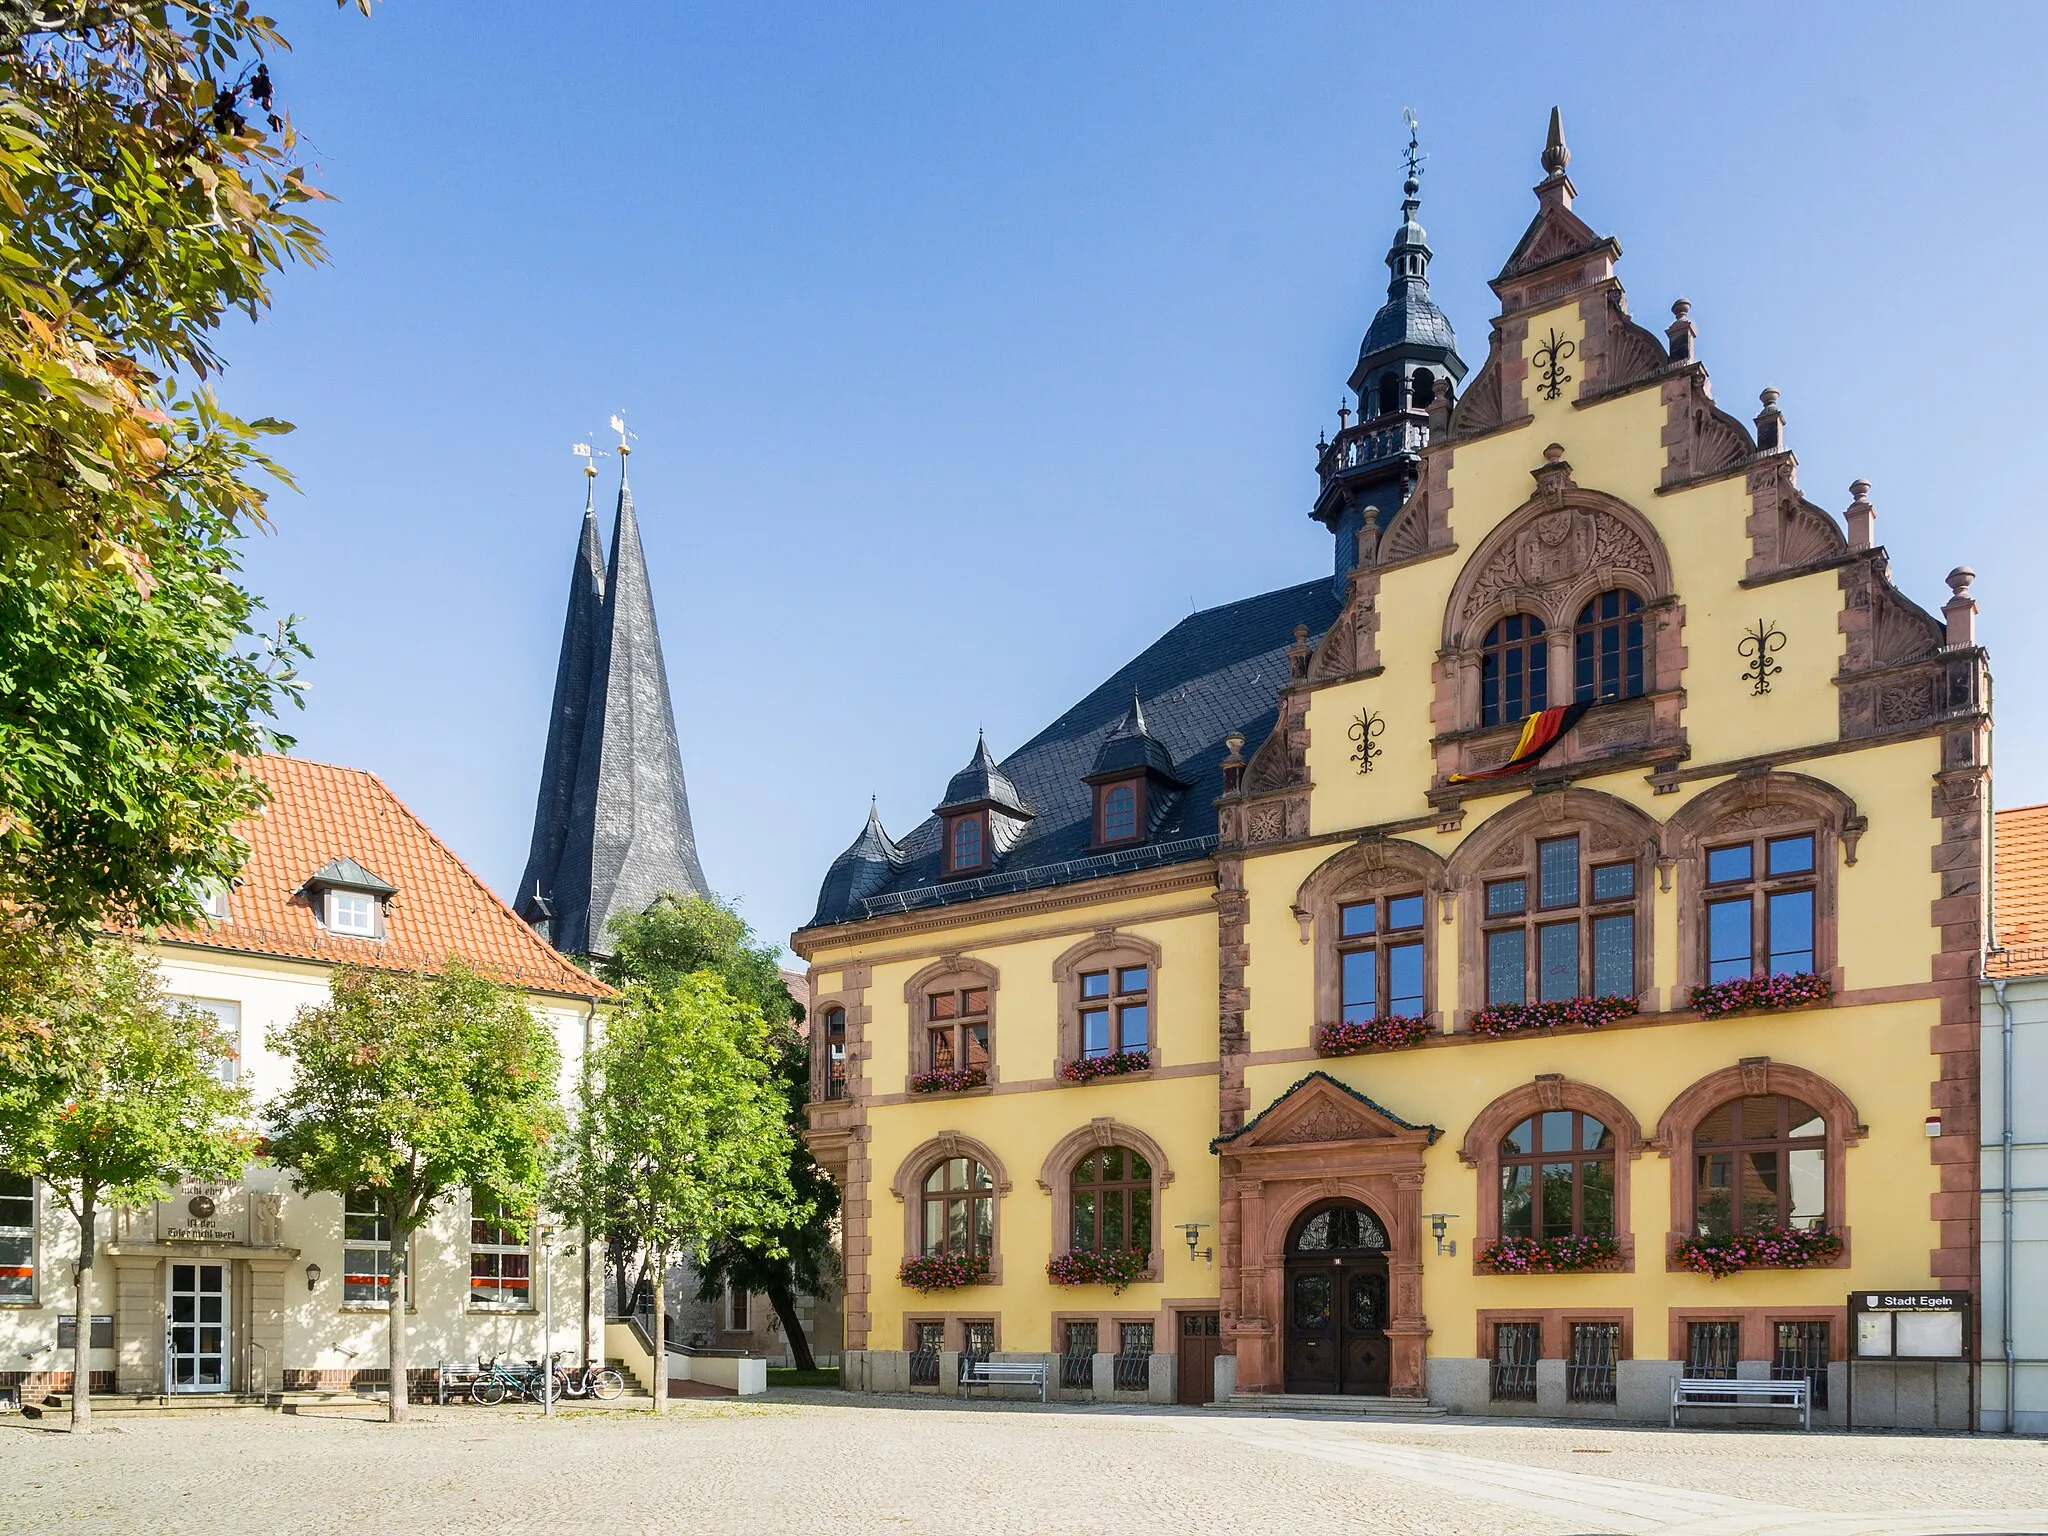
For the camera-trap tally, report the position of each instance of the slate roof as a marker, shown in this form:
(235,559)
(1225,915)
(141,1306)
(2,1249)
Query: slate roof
(981,782)
(623,828)
(1132,745)
(319,816)
(1215,672)
(1409,323)
(2020,914)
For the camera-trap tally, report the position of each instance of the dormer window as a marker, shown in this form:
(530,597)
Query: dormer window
(353,913)
(349,900)
(982,817)
(1118,812)
(966,844)
(1136,785)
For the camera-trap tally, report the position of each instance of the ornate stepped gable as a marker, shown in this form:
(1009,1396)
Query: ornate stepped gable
(612,825)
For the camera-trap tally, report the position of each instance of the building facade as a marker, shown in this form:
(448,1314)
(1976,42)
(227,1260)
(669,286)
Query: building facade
(1423,983)
(248,1287)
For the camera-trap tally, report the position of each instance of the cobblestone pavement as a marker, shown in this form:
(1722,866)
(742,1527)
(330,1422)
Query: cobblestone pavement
(823,1463)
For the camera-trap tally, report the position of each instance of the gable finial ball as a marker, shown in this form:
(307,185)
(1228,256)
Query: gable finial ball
(1553,453)
(1960,578)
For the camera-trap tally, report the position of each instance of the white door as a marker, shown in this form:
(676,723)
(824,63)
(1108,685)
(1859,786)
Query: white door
(196,1330)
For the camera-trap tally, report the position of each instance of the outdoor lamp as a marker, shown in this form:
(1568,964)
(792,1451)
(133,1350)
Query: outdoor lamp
(312,1276)
(1192,1230)
(1439,1223)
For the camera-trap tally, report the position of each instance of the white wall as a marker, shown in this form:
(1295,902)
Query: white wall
(2027,999)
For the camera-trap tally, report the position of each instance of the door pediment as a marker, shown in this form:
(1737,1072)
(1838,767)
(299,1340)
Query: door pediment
(1320,1111)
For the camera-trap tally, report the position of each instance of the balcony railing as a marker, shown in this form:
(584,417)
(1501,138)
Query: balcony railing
(1360,446)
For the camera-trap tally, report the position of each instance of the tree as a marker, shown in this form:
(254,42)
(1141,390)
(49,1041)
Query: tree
(118,1097)
(680,936)
(681,1141)
(149,187)
(410,1088)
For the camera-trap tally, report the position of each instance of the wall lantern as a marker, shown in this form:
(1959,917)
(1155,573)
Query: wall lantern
(1192,1231)
(1439,1223)
(312,1277)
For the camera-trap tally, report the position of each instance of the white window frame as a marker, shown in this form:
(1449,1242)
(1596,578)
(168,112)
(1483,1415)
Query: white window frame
(33,1232)
(498,1251)
(369,1246)
(213,901)
(228,1015)
(373,912)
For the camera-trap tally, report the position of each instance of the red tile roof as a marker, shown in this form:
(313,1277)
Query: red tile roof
(318,813)
(2020,921)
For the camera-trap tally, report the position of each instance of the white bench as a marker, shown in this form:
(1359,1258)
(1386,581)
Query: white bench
(995,1373)
(1708,1392)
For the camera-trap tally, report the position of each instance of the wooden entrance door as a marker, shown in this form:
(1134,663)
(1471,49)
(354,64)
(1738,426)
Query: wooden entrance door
(1201,1339)
(1336,1330)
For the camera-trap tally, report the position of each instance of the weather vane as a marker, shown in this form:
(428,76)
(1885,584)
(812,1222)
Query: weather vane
(1415,156)
(626,438)
(582,451)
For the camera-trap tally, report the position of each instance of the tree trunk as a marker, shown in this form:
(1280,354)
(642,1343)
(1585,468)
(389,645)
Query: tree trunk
(783,1300)
(660,1382)
(81,1345)
(400,1407)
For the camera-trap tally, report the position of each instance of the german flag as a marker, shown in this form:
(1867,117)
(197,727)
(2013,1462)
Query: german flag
(1540,732)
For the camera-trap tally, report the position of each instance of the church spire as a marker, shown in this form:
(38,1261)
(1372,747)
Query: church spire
(626,838)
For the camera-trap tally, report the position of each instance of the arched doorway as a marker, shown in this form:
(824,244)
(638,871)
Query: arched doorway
(1336,1340)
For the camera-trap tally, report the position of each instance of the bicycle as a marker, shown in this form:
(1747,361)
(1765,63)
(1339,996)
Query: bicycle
(495,1381)
(598,1381)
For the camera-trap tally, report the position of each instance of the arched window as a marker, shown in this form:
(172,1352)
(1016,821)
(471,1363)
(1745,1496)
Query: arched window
(1116,1010)
(1119,813)
(1390,392)
(1343,1228)
(1561,929)
(1607,649)
(1514,670)
(959,1209)
(1422,389)
(1760,900)
(1557,1176)
(967,843)
(1379,944)
(1112,1202)
(1760,1162)
(835,1053)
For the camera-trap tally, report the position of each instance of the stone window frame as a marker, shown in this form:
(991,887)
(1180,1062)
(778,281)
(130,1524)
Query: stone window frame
(823,1054)
(1613,547)
(1610,831)
(1056,1179)
(1368,869)
(955,1324)
(1107,949)
(1554,1329)
(1776,804)
(1141,811)
(1751,1077)
(952,972)
(1480,1151)
(947,845)
(35,1245)
(852,1001)
(1755,1328)
(908,1188)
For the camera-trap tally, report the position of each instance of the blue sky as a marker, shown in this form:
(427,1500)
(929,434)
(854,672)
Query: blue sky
(969,346)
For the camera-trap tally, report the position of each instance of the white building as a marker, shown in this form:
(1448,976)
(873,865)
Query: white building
(251,1287)
(2013,1323)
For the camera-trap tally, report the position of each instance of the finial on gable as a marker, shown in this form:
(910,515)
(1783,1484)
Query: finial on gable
(1556,154)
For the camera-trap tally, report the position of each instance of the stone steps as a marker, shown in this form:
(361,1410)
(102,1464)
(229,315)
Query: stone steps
(1353,1407)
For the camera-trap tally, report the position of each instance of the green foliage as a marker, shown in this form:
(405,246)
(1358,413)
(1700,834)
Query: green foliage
(681,936)
(415,1087)
(119,1096)
(149,187)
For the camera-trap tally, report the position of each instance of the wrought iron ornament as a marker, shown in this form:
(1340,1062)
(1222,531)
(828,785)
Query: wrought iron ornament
(1549,360)
(1758,646)
(1366,730)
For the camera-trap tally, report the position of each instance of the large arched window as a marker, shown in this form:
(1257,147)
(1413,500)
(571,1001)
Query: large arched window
(1557,1176)
(1112,1202)
(1607,649)
(1563,925)
(959,1209)
(1760,1162)
(1513,670)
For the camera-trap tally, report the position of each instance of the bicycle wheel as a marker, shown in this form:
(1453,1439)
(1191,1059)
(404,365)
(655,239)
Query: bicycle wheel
(488,1390)
(606,1384)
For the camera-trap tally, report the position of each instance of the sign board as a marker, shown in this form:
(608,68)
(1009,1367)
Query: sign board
(102,1332)
(204,1211)
(1910,1325)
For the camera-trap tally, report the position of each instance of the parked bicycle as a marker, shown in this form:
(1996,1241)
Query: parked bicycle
(495,1382)
(598,1381)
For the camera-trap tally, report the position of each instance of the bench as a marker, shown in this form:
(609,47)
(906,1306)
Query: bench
(995,1373)
(1709,1392)
(455,1376)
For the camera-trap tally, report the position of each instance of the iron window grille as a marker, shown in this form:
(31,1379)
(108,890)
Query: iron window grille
(1802,1355)
(924,1357)
(1711,1350)
(1077,1362)
(1133,1357)
(1589,1374)
(1516,1347)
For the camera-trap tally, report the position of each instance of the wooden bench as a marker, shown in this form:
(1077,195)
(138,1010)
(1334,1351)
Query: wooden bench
(1706,1392)
(996,1373)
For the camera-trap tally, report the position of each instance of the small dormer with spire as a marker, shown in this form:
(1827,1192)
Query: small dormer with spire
(1408,365)
(981,817)
(1135,783)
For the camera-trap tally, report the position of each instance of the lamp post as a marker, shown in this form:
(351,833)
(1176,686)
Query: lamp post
(547,1346)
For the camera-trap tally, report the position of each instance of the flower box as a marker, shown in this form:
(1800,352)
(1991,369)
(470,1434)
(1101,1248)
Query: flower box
(1116,1268)
(950,1080)
(1384,1034)
(1564,1013)
(1090,1069)
(1769,1248)
(1760,994)
(943,1272)
(1549,1255)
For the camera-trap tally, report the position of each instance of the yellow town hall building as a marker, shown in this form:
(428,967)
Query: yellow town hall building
(1531,963)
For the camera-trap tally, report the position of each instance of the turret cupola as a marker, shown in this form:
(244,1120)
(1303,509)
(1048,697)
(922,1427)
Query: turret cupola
(1135,783)
(1408,365)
